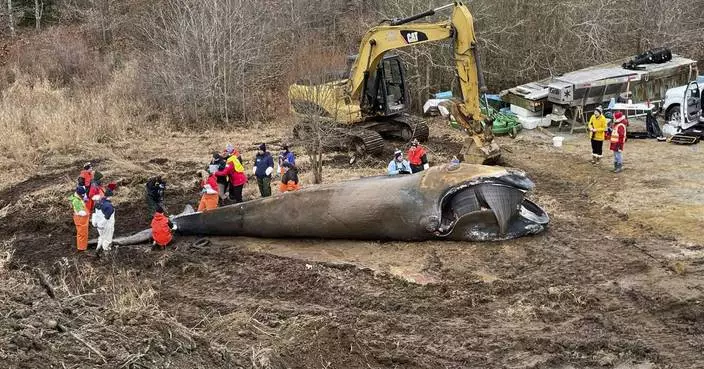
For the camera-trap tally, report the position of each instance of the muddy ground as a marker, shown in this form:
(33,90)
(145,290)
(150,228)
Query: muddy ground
(616,282)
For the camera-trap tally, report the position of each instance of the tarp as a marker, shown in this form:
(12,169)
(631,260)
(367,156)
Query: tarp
(652,129)
(651,124)
(433,104)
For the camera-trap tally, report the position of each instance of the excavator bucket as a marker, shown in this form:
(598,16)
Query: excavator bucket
(473,152)
(479,147)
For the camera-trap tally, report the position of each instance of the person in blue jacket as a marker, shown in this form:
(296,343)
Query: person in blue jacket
(285,156)
(398,165)
(263,168)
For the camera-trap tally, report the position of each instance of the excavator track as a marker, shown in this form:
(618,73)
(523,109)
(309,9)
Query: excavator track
(412,127)
(359,140)
(364,141)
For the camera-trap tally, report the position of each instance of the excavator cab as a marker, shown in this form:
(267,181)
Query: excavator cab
(385,92)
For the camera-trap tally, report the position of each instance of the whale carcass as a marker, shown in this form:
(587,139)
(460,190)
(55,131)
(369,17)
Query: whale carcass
(455,202)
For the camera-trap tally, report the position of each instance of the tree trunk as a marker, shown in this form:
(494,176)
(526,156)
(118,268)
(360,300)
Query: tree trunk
(427,84)
(38,5)
(318,171)
(316,157)
(244,96)
(12,21)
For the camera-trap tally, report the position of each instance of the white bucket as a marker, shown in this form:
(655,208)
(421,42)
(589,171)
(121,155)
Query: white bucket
(557,141)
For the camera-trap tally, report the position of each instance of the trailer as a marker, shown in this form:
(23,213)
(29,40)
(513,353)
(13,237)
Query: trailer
(576,93)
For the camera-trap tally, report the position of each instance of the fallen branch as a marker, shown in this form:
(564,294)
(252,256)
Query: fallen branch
(44,281)
(545,131)
(132,358)
(71,298)
(81,340)
(260,329)
(587,187)
(255,313)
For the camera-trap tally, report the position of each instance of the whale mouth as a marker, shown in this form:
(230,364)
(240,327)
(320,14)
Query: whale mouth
(494,209)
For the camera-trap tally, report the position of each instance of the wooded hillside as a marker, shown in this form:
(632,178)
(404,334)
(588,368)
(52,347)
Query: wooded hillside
(232,60)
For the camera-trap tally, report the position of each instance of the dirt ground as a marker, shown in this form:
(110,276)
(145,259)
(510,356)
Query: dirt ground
(616,281)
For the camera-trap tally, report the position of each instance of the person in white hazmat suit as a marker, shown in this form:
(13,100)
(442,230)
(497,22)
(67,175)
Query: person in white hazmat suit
(103,220)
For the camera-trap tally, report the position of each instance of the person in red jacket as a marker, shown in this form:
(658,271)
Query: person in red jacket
(209,189)
(161,229)
(96,192)
(235,170)
(618,139)
(417,157)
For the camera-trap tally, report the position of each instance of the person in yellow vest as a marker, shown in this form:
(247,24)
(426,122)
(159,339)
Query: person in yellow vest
(80,217)
(597,127)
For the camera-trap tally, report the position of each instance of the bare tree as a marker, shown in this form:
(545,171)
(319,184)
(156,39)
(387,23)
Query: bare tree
(11,18)
(207,58)
(317,130)
(109,20)
(38,11)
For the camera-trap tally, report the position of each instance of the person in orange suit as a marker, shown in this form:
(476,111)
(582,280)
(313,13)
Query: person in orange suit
(289,180)
(86,176)
(80,217)
(161,229)
(209,189)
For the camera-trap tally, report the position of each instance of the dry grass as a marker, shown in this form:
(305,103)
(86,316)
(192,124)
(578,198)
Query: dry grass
(520,311)
(128,299)
(76,279)
(39,120)
(125,295)
(6,251)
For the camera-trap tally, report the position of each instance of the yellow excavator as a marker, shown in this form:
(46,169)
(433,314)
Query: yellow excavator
(371,102)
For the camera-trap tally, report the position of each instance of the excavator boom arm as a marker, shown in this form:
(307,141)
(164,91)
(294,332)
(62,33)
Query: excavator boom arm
(400,33)
(466,111)
(382,39)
